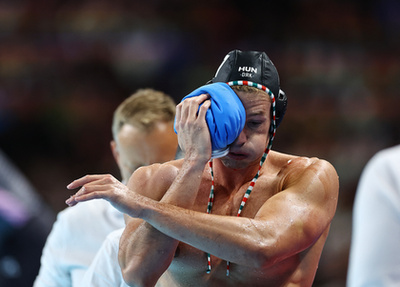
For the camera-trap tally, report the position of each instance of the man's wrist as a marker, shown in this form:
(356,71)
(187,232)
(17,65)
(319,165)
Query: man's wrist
(195,160)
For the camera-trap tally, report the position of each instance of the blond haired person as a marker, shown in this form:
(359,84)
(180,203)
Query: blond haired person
(139,123)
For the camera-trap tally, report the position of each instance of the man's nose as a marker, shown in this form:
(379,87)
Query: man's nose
(241,139)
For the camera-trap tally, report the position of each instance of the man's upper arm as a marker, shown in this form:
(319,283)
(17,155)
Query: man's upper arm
(152,181)
(297,216)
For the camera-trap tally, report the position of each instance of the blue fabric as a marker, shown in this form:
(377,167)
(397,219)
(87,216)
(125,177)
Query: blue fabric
(225,117)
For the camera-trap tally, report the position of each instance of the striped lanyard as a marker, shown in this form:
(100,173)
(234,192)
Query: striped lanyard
(253,182)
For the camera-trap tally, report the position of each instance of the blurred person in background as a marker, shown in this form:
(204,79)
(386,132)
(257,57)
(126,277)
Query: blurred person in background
(143,134)
(25,222)
(105,271)
(375,254)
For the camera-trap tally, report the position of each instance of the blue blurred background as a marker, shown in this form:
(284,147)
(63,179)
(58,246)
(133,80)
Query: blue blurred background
(66,65)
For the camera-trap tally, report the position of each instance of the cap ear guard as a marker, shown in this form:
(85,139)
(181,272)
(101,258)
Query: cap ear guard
(281,106)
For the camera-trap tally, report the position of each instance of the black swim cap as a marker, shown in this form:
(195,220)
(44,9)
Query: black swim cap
(255,67)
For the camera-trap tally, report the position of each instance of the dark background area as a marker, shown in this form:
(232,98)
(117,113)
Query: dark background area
(66,65)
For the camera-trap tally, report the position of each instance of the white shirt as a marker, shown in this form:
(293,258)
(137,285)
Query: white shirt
(104,270)
(75,238)
(375,247)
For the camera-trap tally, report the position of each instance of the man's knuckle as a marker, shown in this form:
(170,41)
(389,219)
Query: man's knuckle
(108,178)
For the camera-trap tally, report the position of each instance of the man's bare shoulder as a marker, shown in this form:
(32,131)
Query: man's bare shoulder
(158,169)
(153,180)
(309,184)
(292,168)
(293,163)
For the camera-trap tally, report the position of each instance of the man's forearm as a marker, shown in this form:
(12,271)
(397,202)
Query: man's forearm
(257,243)
(145,252)
(230,238)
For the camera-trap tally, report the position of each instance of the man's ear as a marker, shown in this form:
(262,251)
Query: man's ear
(115,152)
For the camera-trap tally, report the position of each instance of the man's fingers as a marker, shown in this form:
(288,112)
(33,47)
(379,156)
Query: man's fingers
(194,104)
(79,182)
(190,109)
(71,201)
(89,196)
(93,187)
(85,196)
(203,97)
(91,190)
(81,191)
(177,116)
(84,180)
(203,109)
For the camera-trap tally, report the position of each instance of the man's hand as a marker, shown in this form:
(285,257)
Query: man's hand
(193,134)
(105,187)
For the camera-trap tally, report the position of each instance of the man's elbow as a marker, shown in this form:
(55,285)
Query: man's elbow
(129,278)
(266,253)
(137,271)
(263,259)
(135,278)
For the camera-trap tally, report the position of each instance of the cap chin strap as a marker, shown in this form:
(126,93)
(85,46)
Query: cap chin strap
(263,158)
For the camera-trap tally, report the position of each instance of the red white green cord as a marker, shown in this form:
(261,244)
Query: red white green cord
(263,158)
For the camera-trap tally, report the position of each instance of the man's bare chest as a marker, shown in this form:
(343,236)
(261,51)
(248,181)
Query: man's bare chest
(228,202)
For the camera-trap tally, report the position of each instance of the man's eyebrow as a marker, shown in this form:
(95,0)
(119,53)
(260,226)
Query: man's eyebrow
(257,113)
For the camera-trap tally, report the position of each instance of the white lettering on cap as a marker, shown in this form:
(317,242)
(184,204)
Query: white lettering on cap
(247,69)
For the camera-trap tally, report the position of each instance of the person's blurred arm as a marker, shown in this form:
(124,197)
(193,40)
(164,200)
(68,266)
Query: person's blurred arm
(375,254)
(104,270)
(51,272)
(67,255)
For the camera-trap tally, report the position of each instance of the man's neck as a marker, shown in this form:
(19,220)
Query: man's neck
(232,178)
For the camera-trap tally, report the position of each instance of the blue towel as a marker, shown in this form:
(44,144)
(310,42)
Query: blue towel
(225,117)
